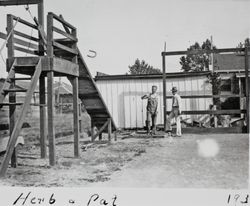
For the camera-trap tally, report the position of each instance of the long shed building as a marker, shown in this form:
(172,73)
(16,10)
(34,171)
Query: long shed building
(122,95)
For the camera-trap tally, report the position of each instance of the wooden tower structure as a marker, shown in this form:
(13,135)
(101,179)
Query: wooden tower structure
(49,57)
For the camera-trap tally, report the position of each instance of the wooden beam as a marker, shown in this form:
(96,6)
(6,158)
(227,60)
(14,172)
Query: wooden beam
(20,120)
(100,130)
(18,33)
(64,66)
(18,2)
(164,91)
(21,49)
(202,51)
(197,112)
(76,117)
(43,133)
(50,110)
(207,96)
(71,37)
(109,129)
(65,23)
(65,48)
(247,87)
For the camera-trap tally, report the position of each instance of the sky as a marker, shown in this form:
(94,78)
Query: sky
(120,31)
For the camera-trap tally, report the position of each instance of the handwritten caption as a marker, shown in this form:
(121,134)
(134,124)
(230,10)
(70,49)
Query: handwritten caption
(238,200)
(94,200)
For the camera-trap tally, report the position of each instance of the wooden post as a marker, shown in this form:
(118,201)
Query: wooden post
(164,91)
(43,133)
(50,92)
(247,85)
(115,133)
(92,131)
(109,129)
(41,22)
(76,117)
(12,95)
(100,136)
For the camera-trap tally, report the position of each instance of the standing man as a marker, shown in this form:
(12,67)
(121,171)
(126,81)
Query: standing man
(151,109)
(175,113)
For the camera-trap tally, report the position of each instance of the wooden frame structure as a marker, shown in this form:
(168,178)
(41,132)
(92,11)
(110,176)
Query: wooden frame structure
(214,112)
(51,57)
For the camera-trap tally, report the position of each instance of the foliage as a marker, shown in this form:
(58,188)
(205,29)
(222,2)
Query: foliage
(196,62)
(141,67)
(215,80)
(242,45)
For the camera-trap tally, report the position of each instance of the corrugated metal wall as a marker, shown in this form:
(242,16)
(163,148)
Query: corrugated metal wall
(123,97)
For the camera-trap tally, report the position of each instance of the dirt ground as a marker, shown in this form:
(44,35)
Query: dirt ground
(136,162)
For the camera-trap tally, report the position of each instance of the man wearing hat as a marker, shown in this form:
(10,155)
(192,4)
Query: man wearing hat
(151,109)
(175,113)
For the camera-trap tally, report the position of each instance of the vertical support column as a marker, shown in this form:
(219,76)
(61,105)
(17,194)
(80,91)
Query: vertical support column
(109,129)
(164,90)
(247,85)
(92,131)
(50,92)
(76,116)
(50,105)
(100,136)
(43,133)
(40,12)
(12,95)
(42,96)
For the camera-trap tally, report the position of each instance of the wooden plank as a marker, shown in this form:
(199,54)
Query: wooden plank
(247,86)
(23,35)
(109,129)
(43,133)
(232,111)
(28,51)
(40,9)
(20,120)
(65,48)
(26,44)
(100,130)
(164,91)
(59,31)
(76,117)
(64,67)
(202,51)
(18,2)
(24,22)
(208,96)
(65,23)
(50,111)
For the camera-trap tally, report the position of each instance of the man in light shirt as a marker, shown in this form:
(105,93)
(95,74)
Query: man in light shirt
(175,113)
(151,109)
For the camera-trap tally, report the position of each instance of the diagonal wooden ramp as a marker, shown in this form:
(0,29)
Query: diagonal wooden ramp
(92,98)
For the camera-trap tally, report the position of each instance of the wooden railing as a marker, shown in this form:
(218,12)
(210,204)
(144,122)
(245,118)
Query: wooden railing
(28,44)
(212,112)
(65,47)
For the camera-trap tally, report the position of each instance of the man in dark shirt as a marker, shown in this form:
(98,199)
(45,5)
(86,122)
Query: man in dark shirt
(151,109)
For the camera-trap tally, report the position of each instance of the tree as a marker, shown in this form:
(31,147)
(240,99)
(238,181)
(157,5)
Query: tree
(141,67)
(196,62)
(242,45)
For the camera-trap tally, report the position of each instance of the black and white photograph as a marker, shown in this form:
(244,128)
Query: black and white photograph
(125,94)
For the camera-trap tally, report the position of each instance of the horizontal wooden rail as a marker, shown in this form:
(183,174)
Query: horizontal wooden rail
(21,49)
(59,31)
(18,33)
(25,44)
(202,51)
(18,2)
(207,96)
(65,48)
(25,22)
(211,112)
(20,41)
(65,23)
